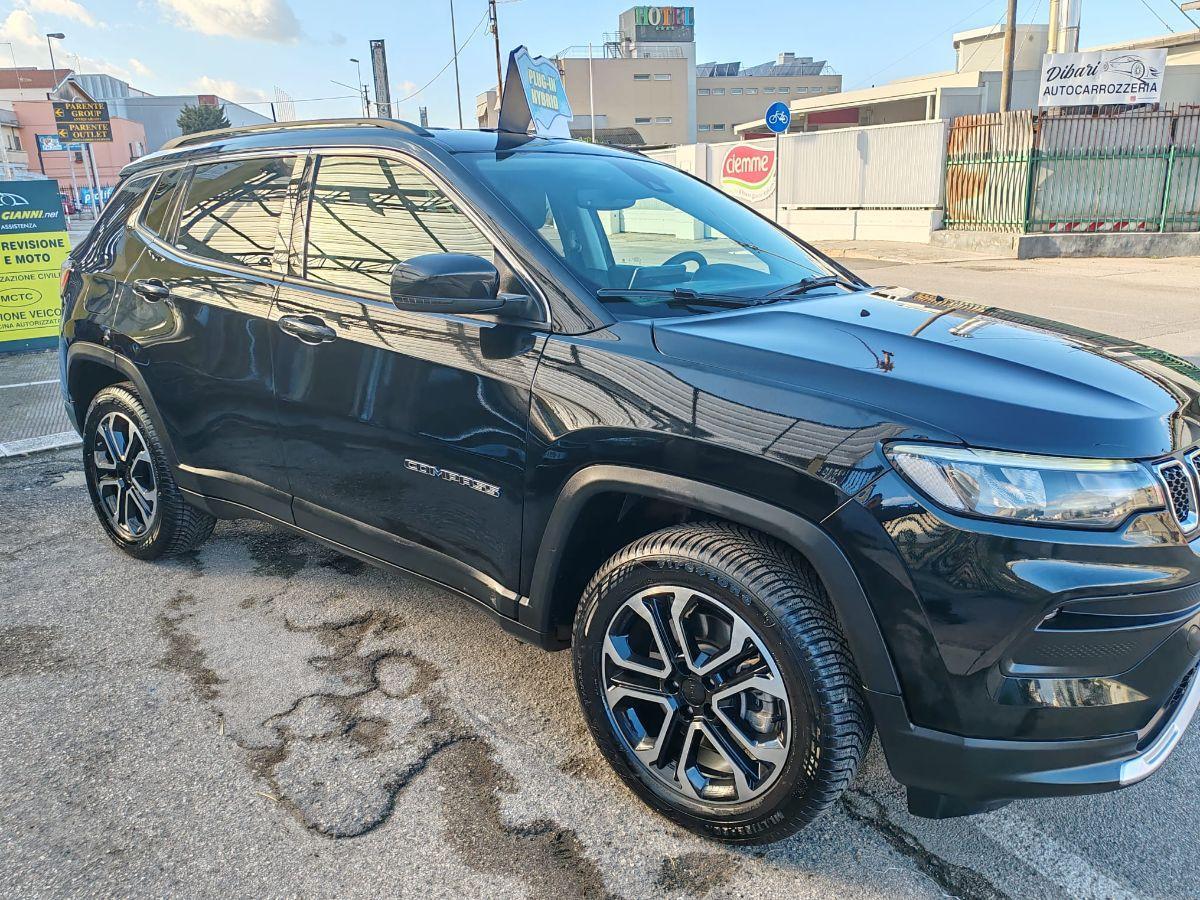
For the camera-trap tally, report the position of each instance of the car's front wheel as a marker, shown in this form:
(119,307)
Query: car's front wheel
(716,680)
(130,482)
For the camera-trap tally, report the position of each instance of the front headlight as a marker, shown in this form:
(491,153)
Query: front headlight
(1018,487)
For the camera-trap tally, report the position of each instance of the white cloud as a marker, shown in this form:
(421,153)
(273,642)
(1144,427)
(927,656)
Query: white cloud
(227,89)
(139,68)
(20,28)
(67,9)
(267,20)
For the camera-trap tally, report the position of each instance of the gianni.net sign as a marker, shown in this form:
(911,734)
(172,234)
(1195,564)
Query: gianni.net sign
(33,246)
(1102,77)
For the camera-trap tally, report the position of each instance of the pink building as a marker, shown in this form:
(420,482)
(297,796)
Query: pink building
(36,117)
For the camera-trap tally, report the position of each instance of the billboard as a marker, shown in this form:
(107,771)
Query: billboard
(82,121)
(748,173)
(654,24)
(1102,77)
(33,247)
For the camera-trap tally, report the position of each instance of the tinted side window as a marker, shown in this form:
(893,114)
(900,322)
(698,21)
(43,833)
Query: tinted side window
(97,252)
(367,214)
(231,210)
(154,217)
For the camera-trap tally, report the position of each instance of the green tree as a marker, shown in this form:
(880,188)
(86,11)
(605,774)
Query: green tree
(201,118)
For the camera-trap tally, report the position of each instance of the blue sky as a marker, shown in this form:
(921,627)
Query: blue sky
(243,49)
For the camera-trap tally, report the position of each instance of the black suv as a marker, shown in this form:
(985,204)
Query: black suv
(767,506)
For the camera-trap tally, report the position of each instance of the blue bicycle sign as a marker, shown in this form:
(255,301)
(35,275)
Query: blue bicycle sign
(779,117)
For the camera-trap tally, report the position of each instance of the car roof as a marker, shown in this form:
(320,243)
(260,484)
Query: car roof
(302,135)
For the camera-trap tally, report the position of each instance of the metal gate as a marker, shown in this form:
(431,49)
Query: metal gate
(987,171)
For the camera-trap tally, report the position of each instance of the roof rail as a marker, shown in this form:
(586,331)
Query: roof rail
(200,137)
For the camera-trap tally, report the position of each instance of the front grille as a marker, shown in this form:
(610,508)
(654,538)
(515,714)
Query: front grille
(1179,478)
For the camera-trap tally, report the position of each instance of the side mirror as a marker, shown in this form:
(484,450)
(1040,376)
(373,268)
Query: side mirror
(447,282)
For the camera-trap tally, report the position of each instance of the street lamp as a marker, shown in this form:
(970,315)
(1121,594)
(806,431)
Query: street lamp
(362,88)
(58,36)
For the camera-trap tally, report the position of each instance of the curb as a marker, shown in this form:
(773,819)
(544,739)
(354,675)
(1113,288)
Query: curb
(41,444)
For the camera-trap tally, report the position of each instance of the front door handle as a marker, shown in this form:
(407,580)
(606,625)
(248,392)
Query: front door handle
(152,289)
(307,329)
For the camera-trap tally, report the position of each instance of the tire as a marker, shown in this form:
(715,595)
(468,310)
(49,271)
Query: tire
(130,483)
(694,583)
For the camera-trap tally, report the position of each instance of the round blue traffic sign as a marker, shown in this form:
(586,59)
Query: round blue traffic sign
(779,117)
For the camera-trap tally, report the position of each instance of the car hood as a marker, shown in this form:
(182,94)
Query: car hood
(994,378)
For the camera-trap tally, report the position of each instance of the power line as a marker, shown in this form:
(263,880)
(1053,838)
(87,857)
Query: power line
(1183,12)
(442,70)
(1157,16)
(925,44)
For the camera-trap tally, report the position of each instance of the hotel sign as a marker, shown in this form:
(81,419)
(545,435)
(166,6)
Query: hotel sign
(664,23)
(1102,77)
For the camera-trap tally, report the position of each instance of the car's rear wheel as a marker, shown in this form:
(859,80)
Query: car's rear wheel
(130,482)
(717,682)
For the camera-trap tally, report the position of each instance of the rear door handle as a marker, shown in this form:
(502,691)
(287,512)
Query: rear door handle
(151,289)
(307,329)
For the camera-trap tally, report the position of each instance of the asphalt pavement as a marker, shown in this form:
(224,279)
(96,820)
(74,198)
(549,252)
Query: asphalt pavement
(265,717)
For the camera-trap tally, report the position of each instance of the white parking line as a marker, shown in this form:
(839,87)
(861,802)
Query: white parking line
(37,444)
(29,383)
(1049,857)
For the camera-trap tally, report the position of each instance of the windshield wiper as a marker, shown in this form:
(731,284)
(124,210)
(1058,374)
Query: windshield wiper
(682,297)
(811,284)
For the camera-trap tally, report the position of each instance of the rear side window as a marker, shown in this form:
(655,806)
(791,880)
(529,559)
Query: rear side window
(154,218)
(231,210)
(97,250)
(368,214)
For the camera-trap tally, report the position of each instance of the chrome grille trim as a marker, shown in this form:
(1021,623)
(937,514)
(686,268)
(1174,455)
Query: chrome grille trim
(1178,478)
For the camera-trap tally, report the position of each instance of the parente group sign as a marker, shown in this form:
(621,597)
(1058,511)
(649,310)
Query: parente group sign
(33,247)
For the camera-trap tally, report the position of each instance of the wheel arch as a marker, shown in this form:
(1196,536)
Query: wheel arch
(91,368)
(547,605)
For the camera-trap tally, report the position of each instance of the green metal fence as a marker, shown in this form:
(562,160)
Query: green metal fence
(987,171)
(1137,171)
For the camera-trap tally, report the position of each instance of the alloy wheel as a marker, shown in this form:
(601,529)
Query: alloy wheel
(126,485)
(695,695)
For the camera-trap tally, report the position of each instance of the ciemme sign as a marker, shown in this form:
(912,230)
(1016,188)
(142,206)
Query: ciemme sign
(748,173)
(663,17)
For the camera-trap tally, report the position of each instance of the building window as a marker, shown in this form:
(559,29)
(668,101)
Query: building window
(720,127)
(662,76)
(641,76)
(703,92)
(750,91)
(768,90)
(737,92)
(662,120)
(718,92)
(801,90)
(702,128)
(783,90)
(832,90)
(641,120)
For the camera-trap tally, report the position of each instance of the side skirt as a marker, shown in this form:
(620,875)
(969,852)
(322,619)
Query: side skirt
(227,509)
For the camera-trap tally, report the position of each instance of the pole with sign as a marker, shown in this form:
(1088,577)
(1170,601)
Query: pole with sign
(33,247)
(85,122)
(778,118)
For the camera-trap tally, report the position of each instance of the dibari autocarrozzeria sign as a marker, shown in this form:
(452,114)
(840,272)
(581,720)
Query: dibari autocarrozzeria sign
(748,173)
(1102,77)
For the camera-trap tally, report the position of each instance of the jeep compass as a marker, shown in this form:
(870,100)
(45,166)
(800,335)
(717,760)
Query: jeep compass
(769,508)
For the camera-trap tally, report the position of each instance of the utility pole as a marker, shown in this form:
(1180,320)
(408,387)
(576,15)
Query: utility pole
(495,27)
(454,47)
(362,88)
(1055,24)
(1010,46)
(591,95)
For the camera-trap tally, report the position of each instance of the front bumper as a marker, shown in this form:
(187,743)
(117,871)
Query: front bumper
(1031,661)
(949,775)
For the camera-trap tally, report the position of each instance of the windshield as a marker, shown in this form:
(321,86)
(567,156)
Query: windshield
(628,224)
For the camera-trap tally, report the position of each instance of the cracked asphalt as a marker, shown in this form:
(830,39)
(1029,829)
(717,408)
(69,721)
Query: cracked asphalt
(268,718)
